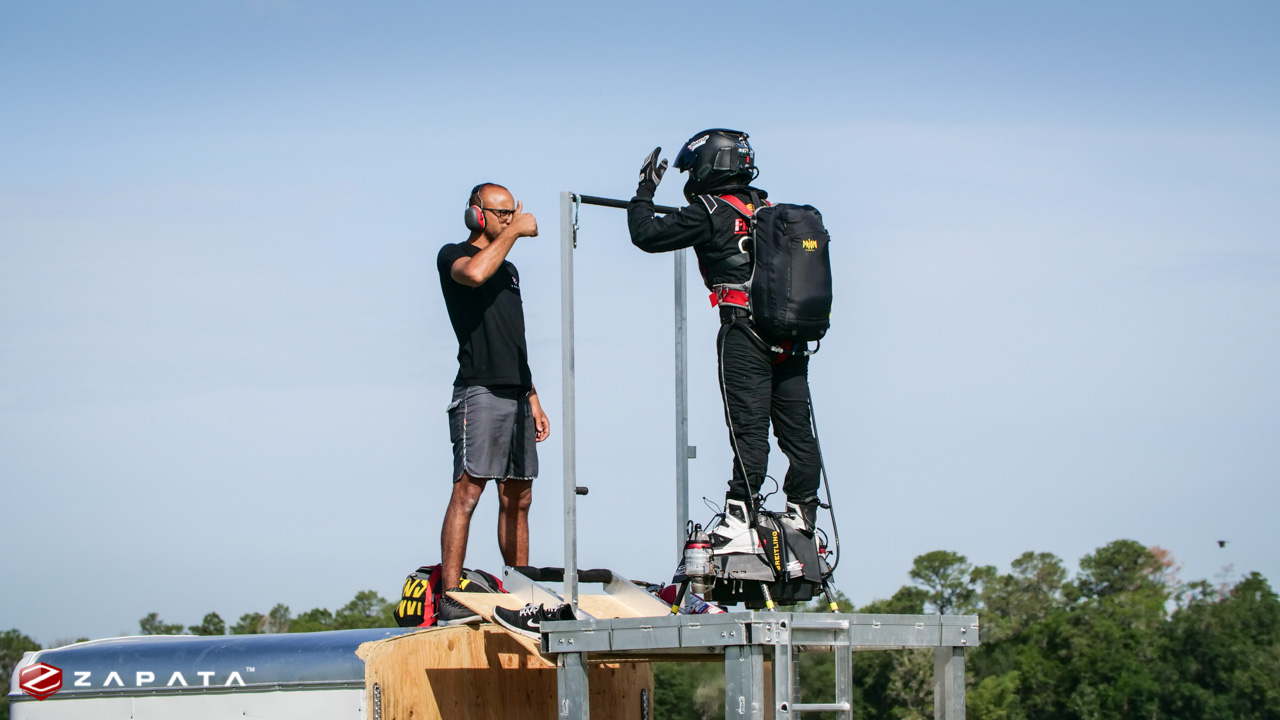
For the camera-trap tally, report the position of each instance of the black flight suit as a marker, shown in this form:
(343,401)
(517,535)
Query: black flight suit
(756,383)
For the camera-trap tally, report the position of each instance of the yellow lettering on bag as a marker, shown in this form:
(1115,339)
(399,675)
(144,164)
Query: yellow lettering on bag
(809,245)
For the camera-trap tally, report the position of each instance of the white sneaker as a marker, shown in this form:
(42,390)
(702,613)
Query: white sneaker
(734,533)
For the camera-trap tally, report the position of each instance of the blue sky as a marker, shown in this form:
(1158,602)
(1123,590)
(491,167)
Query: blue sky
(225,359)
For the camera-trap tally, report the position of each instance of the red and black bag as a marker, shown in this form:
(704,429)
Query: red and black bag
(417,606)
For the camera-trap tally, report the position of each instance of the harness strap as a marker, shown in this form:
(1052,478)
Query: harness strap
(737,259)
(781,350)
(728,263)
(740,206)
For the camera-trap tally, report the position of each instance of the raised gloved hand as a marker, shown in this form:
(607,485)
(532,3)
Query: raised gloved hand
(652,171)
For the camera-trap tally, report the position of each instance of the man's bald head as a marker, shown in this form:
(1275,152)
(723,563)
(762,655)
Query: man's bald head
(490,195)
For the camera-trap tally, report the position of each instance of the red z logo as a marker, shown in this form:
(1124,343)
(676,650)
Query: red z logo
(40,680)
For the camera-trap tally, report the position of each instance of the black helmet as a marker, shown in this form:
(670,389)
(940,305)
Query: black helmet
(713,156)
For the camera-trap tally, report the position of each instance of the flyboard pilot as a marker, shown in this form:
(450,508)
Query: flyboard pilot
(758,384)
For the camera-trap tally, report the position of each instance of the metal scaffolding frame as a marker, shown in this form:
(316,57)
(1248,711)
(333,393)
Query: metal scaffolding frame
(744,639)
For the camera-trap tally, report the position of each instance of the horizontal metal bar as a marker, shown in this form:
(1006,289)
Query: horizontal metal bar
(820,707)
(798,622)
(620,204)
(877,620)
(894,636)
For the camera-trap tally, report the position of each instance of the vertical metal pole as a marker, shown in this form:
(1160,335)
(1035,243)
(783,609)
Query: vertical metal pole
(948,683)
(844,674)
(572,693)
(568,238)
(682,401)
(783,680)
(744,682)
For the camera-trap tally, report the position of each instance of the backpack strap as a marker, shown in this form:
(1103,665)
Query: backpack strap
(741,207)
(743,257)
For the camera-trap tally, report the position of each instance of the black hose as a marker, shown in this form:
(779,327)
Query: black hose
(826,481)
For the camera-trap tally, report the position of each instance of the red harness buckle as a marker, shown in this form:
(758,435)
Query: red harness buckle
(728,296)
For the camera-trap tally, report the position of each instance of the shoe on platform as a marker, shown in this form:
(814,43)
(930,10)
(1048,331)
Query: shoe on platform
(527,621)
(451,612)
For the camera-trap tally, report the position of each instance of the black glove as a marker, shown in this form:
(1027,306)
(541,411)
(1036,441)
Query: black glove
(652,171)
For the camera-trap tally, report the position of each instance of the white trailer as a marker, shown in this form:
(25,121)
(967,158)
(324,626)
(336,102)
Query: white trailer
(298,675)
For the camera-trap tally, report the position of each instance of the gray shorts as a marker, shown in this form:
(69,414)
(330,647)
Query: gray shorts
(493,434)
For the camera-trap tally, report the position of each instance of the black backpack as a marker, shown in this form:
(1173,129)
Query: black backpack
(790,286)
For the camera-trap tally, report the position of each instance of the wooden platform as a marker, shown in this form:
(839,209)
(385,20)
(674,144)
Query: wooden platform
(482,672)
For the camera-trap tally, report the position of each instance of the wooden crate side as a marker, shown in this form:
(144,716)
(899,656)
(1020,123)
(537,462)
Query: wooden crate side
(470,673)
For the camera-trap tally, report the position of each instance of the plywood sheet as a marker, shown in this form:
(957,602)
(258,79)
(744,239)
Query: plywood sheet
(608,606)
(484,603)
(602,607)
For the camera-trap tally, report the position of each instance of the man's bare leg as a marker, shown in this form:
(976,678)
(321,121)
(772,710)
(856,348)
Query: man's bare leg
(457,526)
(514,499)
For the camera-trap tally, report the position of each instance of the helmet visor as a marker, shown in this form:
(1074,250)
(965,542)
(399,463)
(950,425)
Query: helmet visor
(686,159)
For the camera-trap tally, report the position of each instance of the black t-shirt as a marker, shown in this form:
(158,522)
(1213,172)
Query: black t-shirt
(489,323)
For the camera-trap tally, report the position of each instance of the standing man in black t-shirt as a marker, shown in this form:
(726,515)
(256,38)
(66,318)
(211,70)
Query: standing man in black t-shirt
(495,418)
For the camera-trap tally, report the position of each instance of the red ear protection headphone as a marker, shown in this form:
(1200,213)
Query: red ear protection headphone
(474,216)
